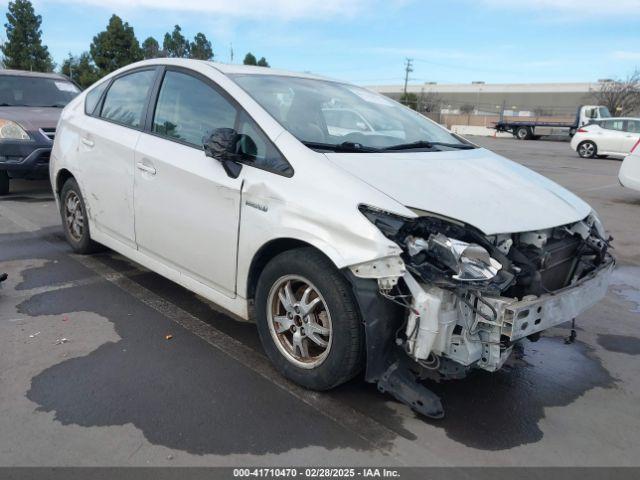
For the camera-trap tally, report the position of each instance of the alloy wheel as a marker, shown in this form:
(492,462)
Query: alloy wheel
(299,321)
(73,216)
(587,150)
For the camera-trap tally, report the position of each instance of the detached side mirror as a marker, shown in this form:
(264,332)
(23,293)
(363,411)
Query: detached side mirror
(223,146)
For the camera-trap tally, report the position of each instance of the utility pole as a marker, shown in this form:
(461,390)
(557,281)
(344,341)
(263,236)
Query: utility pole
(231,52)
(408,68)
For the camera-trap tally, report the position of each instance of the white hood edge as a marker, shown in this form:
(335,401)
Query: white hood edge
(476,186)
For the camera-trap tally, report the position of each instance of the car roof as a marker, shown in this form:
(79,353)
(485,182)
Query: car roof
(616,118)
(233,69)
(26,73)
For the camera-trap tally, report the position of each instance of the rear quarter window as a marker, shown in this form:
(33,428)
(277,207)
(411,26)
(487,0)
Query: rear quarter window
(93,97)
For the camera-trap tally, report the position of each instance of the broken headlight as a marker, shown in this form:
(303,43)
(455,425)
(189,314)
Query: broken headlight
(469,261)
(450,248)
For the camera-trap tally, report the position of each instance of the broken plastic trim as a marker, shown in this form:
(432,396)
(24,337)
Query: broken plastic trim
(387,364)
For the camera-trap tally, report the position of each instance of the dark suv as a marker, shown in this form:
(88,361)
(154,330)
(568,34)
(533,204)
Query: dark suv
(30,105)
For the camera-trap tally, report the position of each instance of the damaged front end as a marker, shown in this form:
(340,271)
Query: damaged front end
(457,299)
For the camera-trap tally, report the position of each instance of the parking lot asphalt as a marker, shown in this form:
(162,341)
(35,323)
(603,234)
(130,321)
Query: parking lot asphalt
(88,376)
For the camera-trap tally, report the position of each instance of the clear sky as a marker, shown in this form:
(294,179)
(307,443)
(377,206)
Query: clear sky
(367,41)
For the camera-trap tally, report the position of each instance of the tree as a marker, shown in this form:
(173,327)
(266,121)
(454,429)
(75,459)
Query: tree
(151,49)
(175,45)
(80,69)
(410,100)
(250,59)
(621,97)
(430,102)
(23,49)
(115,47)
(200,48)
(467,109)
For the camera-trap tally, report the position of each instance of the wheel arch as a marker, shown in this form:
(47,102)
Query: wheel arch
(61,177)
(269,251)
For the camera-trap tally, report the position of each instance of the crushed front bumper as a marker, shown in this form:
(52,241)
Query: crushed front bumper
(519,319)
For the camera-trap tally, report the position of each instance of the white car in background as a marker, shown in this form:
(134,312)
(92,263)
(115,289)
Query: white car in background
(629,174)
(611,137)
(404,257)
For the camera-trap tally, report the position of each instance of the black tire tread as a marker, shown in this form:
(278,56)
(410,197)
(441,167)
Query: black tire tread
(337,287)
(86,245)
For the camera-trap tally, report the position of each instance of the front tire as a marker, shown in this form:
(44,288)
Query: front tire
(587,149)
(74,219)
(308,321)
(4,182)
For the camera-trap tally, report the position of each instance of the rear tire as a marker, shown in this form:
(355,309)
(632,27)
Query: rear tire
(4,182)
(75,222)
(587,149)
(523,133)
(319,350)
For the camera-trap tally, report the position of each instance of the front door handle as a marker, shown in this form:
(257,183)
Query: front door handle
(146,168)
(87,142)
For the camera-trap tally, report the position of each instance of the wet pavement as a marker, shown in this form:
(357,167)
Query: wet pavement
(88,377)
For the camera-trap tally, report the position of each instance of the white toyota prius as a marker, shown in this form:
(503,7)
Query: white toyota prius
(399,249)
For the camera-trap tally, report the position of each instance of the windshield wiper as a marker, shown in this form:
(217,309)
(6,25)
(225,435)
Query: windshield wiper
(348,147)
(427,144)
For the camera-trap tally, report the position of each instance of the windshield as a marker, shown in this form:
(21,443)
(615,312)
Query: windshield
(323,114)
(604,112)
(25,91)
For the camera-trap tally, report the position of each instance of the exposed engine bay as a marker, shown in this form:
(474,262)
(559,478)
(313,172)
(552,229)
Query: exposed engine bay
(468,298)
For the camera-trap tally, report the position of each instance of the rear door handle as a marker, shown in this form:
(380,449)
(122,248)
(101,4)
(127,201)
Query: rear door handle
(146,168)
(87,142)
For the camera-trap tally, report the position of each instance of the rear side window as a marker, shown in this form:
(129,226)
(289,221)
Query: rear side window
(613,125)
(93,97)
(633,126)
(189,110)
(127,98)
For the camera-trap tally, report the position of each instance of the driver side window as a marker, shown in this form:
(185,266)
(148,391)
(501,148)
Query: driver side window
(189,110)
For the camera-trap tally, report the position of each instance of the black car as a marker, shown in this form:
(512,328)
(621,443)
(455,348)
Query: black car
(30,105)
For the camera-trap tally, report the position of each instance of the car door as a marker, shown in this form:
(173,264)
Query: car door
(631,136)
(610,140)
(108,138)
(186,206)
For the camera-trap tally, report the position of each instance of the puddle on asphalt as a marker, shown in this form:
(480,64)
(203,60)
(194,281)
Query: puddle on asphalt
(620,344)
(183,394)
(625,282)
(502,410)
(179,393)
